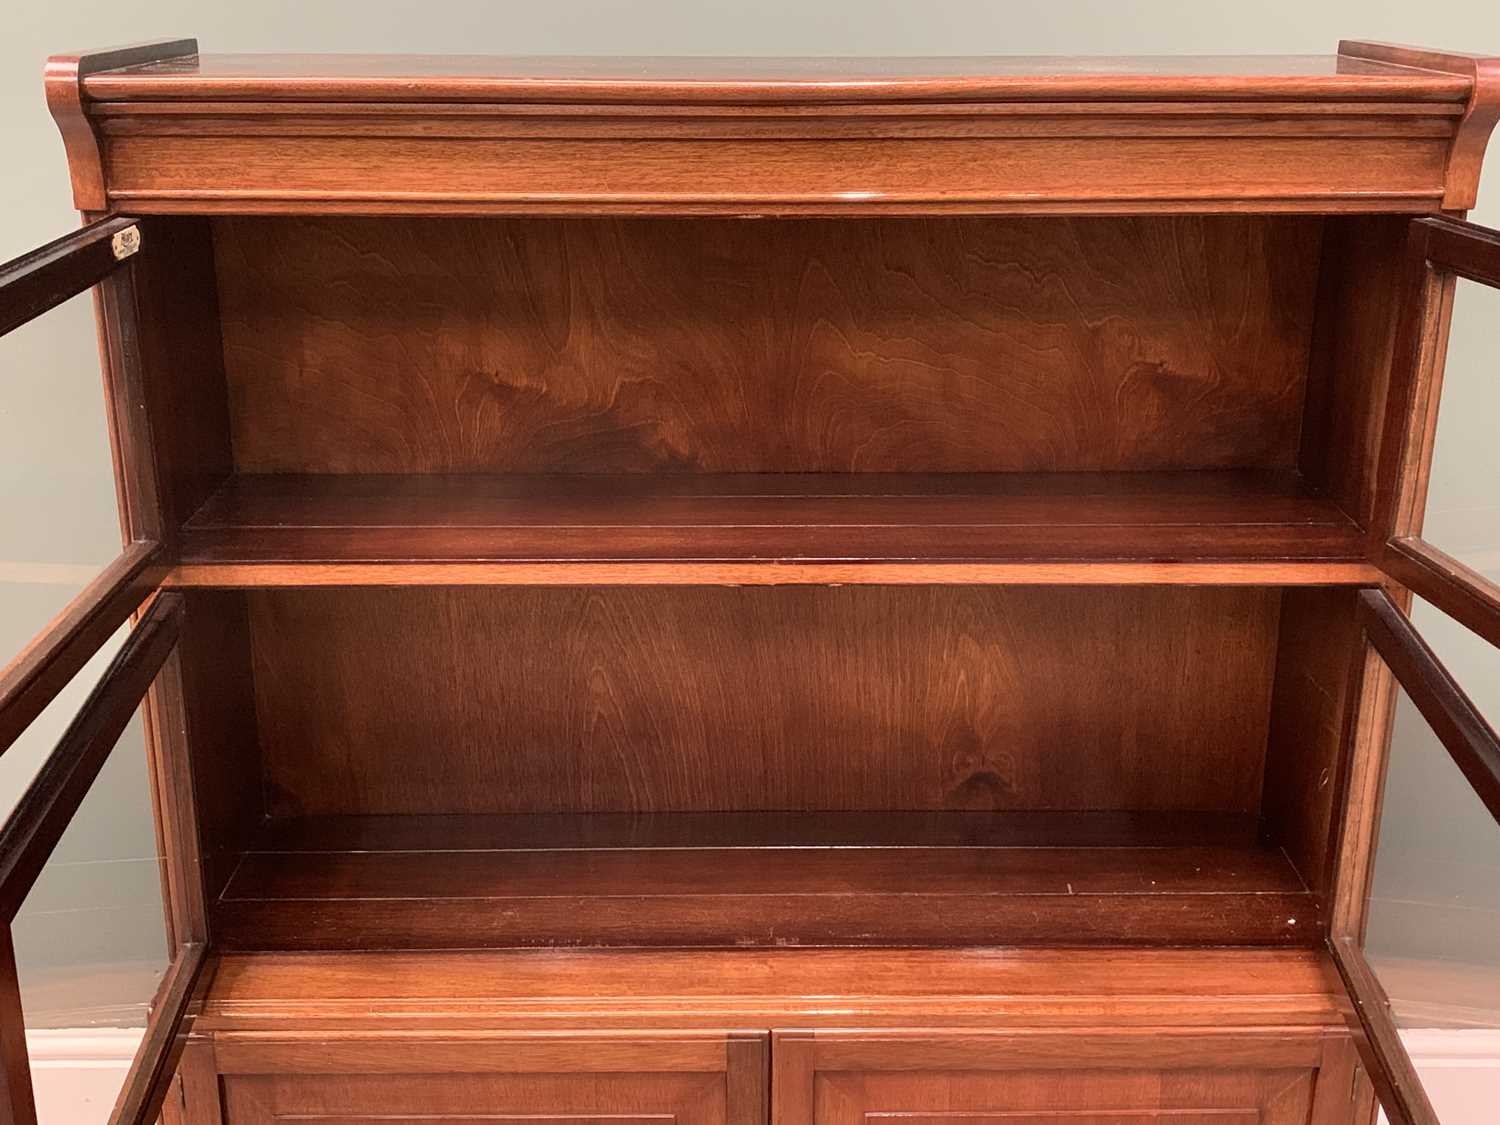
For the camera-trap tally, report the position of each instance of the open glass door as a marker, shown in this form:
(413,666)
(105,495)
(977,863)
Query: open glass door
(1415,931)
(77,945)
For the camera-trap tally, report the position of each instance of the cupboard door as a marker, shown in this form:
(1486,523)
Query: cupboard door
(79,784)
(1439,475)
(1413,933)
(1062,1077)
(103,255)
(516,1079)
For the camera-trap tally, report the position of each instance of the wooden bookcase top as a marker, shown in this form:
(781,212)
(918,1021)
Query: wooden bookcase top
(164,129)
(789,80)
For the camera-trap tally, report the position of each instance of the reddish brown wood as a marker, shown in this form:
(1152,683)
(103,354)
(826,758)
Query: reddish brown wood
(758,829)
(218,718)
(1360,287)
(45,809)
(789,698)
(17,1101)
(1469,740)
(663,988)
(63,268)
(1483,110)
(805,895)
(1387,1065)
(773,518)
(181,358)
(66,100)
(710,80)
(612,346)
(643,1078)
(1318,646)
(1458,590)
(841,1077)
(177,999)
(35,676)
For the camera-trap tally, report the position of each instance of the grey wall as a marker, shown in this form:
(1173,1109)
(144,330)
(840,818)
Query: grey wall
(57,518)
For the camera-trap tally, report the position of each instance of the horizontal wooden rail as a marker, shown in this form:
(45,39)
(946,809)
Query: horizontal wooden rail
(45,666)
(1454,246)
(49,275)
(1437,577)
(52,799)
(1469,740)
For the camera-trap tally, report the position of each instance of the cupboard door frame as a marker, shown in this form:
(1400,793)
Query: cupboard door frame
(1439,251)
(1396,654)
(145,673)
(1318,1064)
(31,833)
(101,255)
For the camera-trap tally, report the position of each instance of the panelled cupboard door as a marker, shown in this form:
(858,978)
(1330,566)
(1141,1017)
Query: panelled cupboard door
(1068,1077)
(692,1078)
(1441,542)
(82,775)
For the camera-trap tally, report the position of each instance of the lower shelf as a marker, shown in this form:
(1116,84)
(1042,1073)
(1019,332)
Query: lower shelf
(763,880)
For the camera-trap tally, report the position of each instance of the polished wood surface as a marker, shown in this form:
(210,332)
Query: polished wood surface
(178,998)
(1030,881)
(1386,1062)
(623,989)
(65,267)
(935,345)
(644,1079)
(678,80)
(696,698)
(1318,649)
(783,517)
(846,1077)
(64,77)
(46,665)
(48,805)
(469,134)
(1483,110)
(1098,432)
(1469,739)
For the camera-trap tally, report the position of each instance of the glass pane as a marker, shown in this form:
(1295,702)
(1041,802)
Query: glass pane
(59,520)
(1463,499)
(91,944)
(1434,924)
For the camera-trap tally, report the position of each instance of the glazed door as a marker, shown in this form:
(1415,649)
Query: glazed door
(56,889)
(1416,928)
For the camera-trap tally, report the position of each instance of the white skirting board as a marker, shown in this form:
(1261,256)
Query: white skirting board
(78,1073)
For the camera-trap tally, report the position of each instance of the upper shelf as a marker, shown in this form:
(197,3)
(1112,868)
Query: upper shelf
(1372,128)
(1261,527)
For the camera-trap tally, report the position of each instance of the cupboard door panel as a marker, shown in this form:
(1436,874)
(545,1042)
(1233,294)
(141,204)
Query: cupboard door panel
(1031,1078)
(543,1079)
(1440,504)
(1409,936)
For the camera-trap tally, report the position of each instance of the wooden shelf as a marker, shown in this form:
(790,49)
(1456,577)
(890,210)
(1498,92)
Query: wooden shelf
(752,879)
(1262,527)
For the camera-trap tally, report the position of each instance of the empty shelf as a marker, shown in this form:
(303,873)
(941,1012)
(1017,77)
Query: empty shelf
(745,880)
(264,528)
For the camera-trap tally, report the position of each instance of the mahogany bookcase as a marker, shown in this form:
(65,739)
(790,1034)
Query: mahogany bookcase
(738,591)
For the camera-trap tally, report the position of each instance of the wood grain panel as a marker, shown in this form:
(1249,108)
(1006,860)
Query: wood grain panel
(466,700)
(865,1078)
(1350,367)
(937,345)
(1317,653)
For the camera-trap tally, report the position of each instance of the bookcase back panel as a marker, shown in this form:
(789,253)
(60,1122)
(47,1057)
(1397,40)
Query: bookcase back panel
(357,345)
(648,699)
